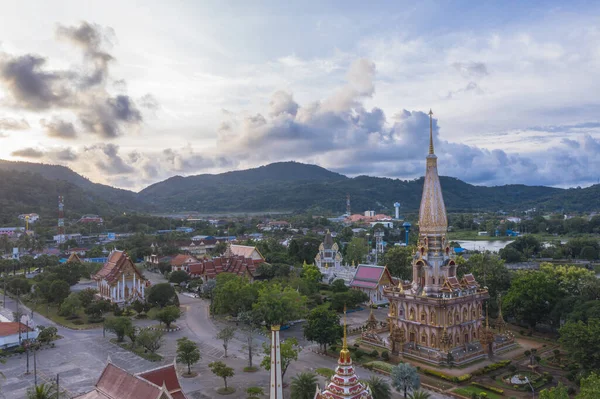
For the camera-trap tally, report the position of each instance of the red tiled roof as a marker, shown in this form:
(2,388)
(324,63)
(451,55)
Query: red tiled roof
(12,327)
(212,267)
(118,383)
(454,282)
(363,284)
(113,267)
(369,272)
(168,376)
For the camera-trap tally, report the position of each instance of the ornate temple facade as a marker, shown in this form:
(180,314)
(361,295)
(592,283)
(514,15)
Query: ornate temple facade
(329,262)
(344,384)
(436,317)
(119,280)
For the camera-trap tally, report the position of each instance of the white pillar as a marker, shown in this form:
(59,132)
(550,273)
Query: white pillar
(134,286)
(123,288)
(118,290)
(276,389)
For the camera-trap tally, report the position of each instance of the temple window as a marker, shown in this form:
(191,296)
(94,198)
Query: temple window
(457,317)
(411,314)
(423,317)
(450,319)
(465,315)
(433,318)
(433,341)
(424,339)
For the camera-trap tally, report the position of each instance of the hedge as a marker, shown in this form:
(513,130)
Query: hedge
(451,378)
(376,364)
(492,367)
(489,388)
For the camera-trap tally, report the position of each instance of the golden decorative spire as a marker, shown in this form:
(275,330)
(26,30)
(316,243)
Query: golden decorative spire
(432,213)
(344,353)
(430,132)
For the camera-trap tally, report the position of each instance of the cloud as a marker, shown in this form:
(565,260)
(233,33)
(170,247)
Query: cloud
(471,70)
(59,128)
(107,159)
(28,152)
(81,90)
(149,102)
(13,124)
(65,154)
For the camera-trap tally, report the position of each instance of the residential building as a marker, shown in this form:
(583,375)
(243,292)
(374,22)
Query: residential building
(91,219)
(12,333)
(31,217)
(182,262)
(372,279)
(119,280)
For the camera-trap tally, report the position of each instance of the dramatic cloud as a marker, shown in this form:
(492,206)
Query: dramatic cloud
(28,153)
(13,124)
(106,158)
(471,70)
(82,91)
(59,128)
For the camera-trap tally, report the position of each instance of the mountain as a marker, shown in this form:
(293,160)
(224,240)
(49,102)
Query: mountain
(292,186)
(121,199)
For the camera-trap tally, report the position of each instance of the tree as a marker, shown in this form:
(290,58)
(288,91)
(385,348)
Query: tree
(399,261)
(161,295)
(351,299)
(582,341)
(356,250)
(531,296)
(97,308)
(323,326)
(405,377)
(338,285)
(168,315)
(59,291)
(250,330)
(589,253)
(120,326)
(233,294)
(590,387)
(254,392)
(289,353)
(277,306)
(188,353)
(178,277)
(47,334)
(558,392)
(220,369)
(149,339)
(71,305)
(380,389)
(304,385)
(226,335)
(42,391)
(18,285)
(87,296)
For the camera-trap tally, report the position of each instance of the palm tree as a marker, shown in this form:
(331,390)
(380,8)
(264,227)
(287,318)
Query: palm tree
(380,389)
(43,391)
(419,395)
(304,386)
(405,377)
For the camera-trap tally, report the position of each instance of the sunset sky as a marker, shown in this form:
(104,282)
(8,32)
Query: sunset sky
(129,93)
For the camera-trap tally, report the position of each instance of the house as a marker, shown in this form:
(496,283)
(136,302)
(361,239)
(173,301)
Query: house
(196,248)
(74,258)
(31,217)
(119,280)
(114,382)
(371,279)
(209,268)
(182,262)
(77,251)
(245,251)
(10,336)
(514,219)
(91,219)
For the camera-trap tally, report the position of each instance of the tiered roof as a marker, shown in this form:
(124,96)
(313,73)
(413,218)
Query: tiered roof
(166,375)
(370,276)
(233,264)
(117,263)
(451,284)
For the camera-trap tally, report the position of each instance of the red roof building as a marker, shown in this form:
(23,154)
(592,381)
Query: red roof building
(182,262)
(116,383)
(210,268)
(119,280)
(371,279)
(245,251)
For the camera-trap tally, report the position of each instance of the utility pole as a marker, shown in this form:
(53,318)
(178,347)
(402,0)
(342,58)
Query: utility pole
(18,316)
(34,368)
(4,302)
(57,387)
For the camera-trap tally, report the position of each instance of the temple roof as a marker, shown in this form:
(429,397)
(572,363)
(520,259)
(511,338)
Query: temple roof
(223,264)
(115,266)
(328,241)
(432,213)
(369,276)
(166,375)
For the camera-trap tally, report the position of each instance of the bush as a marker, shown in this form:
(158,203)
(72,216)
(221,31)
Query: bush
(359,353)
(488,388)
(385,355)
(325,372)
(374,353)
(78,322)
(491,367)
(443,376)
(379,365)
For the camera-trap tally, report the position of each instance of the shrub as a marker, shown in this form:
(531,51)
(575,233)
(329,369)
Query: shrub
(488,388)
(325,372)
(78,322)
(379,365)
(491,367)
(512,368)
(374,353)
(443,376)
(359,353)
(385,355)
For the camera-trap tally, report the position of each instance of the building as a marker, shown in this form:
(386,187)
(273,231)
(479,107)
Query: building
(12,231)
(372,279)
(182,262)
(12,333)
(245,251)
(91,219)
(114,382)
(436,318)
(329,262)
(119,280)
(344,384)
(31,217)
(207,269)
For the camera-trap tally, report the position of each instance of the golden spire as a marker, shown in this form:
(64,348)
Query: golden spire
(344,353)
(345,343)
(430,132)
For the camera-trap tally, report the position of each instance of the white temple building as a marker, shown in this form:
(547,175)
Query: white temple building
(329,262)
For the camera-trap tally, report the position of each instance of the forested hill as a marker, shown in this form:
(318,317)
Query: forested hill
(284,186)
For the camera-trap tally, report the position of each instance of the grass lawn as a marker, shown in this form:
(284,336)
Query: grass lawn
(468,390)
(138,350)
(51,312)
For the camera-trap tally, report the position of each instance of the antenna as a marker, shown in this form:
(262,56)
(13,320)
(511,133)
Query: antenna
(61,219)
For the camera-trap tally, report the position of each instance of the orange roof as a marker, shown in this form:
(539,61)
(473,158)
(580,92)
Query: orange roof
(114,266)
(245,250)
(212,267)
(12,327)
(114,382)
(181,259)
(168,376)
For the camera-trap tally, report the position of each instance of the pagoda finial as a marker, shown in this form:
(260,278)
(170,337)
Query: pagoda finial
(430,132)
(344,353)
(345,343)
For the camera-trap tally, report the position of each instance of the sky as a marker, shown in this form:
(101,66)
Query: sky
(129,93)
